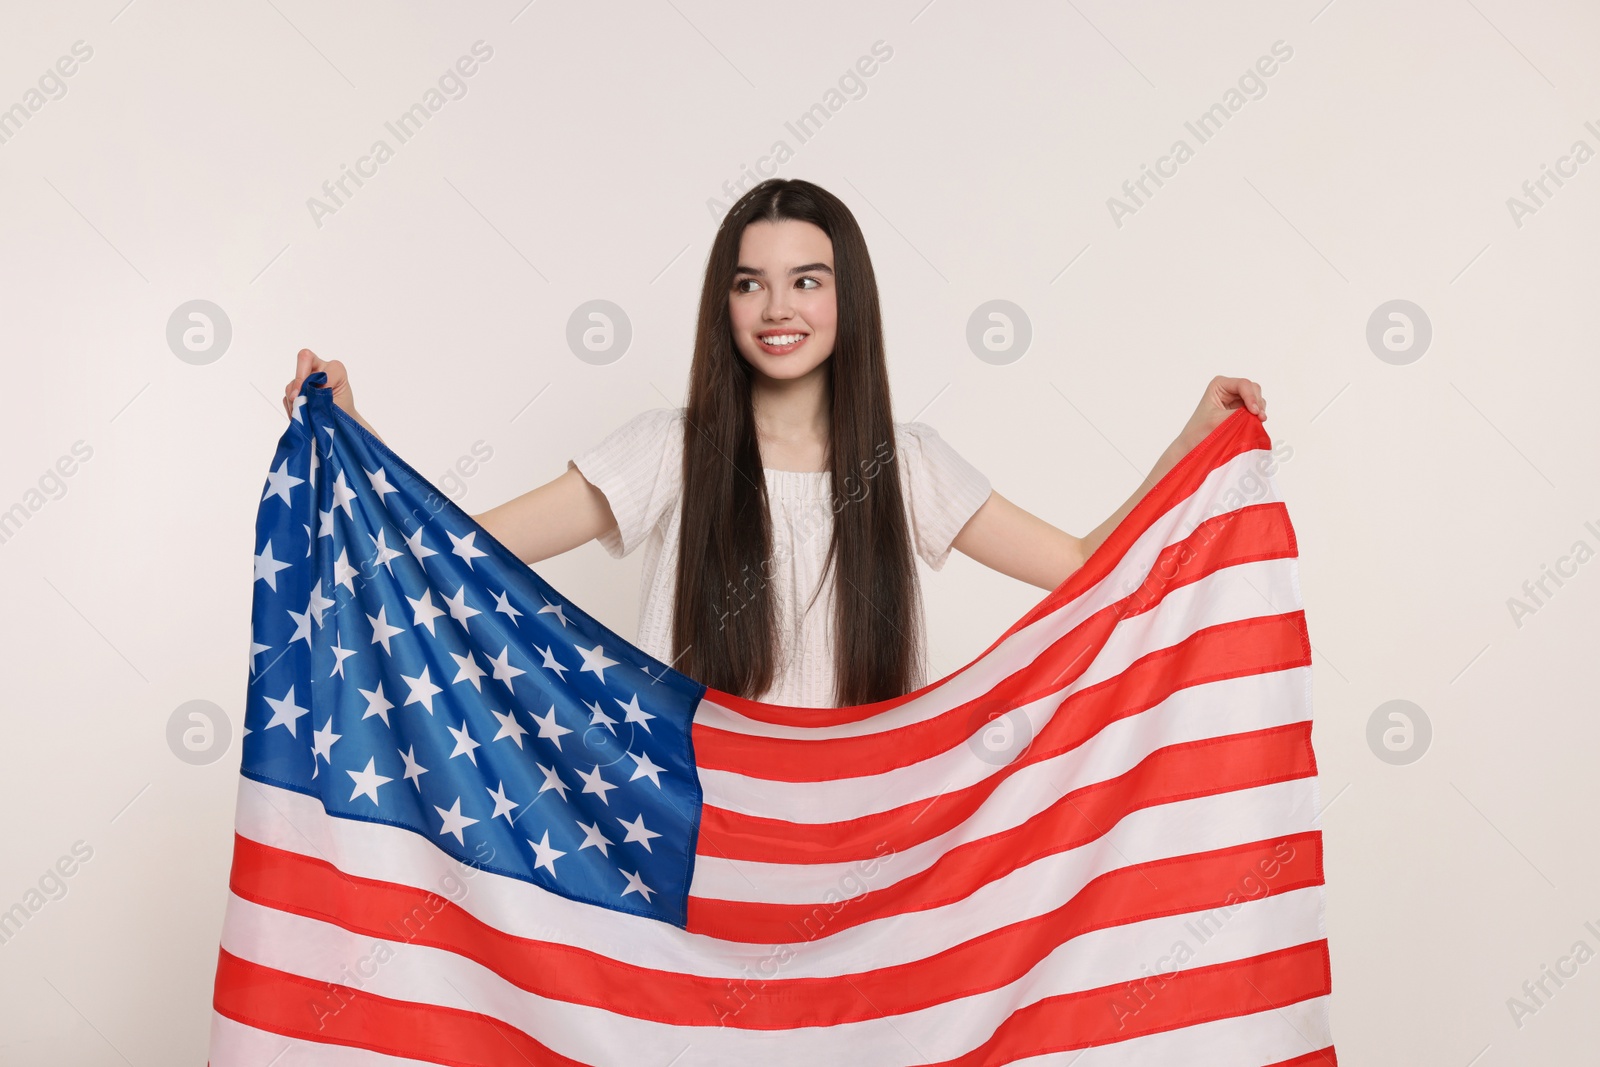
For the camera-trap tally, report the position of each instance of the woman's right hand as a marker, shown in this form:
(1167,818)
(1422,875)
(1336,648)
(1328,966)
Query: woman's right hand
(307,363)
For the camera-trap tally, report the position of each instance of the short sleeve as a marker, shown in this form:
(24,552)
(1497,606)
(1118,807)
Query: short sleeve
(638,466)
(943,490)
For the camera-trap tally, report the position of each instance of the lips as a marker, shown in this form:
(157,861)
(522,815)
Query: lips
(780,343)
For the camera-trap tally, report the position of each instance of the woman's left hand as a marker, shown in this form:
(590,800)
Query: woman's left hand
(1222,398)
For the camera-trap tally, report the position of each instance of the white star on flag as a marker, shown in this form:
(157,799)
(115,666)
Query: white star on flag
(551,664)
(422,690)
(381,630)
(593,838)
(267,568)
(285,712)
(342,495)
(280,481)
(635,713)
(467,670)
(600,718)
(503,604)
(552,780)
(414,770)
(343,573)
(340,654)
(638,832)
(323,740)
(424,611)
(316,604)
(549,728)
(503,805)
(463,547)
(546,856)
(367,781)
(645,768)
(454,821)
(385,553)
(377,703)
(509,727)
(503,670)
(418,549)
(378,481)
(594,659)
(459,610)
(465,745)
(594,783)
(302,626)
(636,885)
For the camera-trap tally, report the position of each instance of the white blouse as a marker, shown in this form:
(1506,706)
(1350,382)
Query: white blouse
(639,468)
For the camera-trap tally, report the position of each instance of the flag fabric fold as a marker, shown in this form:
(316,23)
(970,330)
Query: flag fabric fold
(475,826)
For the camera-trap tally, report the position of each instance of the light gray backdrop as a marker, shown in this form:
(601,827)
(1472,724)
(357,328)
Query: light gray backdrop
(1444,448)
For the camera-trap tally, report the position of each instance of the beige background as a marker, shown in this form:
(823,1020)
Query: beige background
(979,160)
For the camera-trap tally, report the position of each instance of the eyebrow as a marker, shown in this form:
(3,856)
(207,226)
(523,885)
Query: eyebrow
(821,268)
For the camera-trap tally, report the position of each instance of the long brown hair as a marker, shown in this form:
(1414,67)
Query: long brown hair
(724,625)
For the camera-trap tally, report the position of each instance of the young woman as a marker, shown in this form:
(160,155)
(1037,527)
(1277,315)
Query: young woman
(782,505)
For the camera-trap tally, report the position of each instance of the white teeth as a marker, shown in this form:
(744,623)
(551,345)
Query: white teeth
(779,340)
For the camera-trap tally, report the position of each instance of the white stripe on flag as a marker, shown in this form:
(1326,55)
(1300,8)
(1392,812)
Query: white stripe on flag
(1254,701)
(1232,597)
(1022,647)
(429,976)
(389,854)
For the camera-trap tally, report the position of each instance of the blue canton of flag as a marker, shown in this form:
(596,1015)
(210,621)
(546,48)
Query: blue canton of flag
(407,669)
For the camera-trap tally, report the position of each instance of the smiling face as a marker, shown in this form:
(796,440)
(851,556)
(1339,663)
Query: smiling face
(782,305)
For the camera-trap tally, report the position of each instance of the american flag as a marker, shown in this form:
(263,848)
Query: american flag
(475,826)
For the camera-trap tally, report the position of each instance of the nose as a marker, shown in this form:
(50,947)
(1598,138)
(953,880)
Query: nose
(777,305)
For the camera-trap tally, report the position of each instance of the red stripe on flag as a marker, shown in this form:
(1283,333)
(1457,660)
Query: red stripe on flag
(1255,646)
(278,1002)
(1239,433)
(1246,535)
(1119,1012)
(1259,645)
(1202,882)
(1178,772)
(287,1004)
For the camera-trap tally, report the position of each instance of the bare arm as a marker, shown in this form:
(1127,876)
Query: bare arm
(558,516)
(1017,543)
(553,518)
